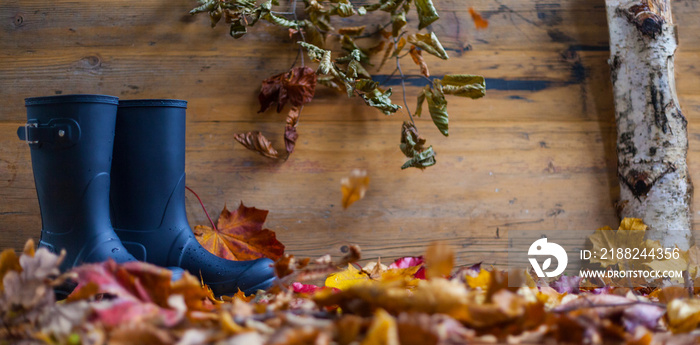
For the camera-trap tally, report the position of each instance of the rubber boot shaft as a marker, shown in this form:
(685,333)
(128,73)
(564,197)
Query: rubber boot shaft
(148,198)
(71,140)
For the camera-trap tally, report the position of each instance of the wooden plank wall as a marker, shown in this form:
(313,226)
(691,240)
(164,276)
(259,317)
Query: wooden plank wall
(538,152)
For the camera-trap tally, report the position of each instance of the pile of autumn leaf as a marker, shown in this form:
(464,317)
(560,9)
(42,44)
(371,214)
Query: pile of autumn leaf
(414,300)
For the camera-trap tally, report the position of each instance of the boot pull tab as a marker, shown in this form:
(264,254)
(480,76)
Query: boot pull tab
(61,132)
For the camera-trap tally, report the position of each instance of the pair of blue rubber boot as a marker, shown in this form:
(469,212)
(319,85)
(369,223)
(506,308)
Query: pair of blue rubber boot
(110,177)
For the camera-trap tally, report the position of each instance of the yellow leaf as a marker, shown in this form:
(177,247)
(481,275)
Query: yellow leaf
(383,330)
(629,235)
(345,279)
(354,187)
(405,274)
(480,281)
(550,297)
(632,224)
(683,315)
(694,256)
(439,260)
(679,264)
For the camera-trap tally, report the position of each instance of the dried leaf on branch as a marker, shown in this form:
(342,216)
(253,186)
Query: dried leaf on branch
(348,72)
(256,141)
(413,146)
(418,60)
(296,87)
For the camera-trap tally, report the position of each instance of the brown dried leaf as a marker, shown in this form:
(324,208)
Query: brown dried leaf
(296,86)
(418,59)
(439,260)
(387,54)
(256,141)
(377,48)
(290,138)
(352,30)
(354,187)
(399,47)
(348,328)
(290,130)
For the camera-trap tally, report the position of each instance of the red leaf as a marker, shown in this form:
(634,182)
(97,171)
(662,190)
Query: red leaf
(407,261)
(296,87)
(305,288)
(141,291)
(410,261)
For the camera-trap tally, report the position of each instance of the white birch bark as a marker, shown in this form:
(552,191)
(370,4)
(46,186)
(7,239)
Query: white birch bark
(652,137)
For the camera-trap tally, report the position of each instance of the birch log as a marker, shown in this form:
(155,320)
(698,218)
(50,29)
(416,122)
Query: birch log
(652,136)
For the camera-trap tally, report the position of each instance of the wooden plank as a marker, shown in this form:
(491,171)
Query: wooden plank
(514,25)
(543,79)
(529,176)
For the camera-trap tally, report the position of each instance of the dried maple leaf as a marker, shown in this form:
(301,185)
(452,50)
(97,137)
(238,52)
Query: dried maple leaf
(141,292)
(354,187)
(479,21)
(418,60)
(675,263)
(296,86)
(239,235)
(629,235)
(256,141)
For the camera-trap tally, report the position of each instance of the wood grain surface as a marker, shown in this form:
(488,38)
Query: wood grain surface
(538,152)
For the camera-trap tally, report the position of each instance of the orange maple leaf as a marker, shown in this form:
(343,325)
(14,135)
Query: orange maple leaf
(479,21)
(239,236)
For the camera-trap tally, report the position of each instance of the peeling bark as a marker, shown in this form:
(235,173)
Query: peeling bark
(652,135)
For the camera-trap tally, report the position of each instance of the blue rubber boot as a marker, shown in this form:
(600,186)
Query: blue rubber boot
(148,199)
(71,139)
